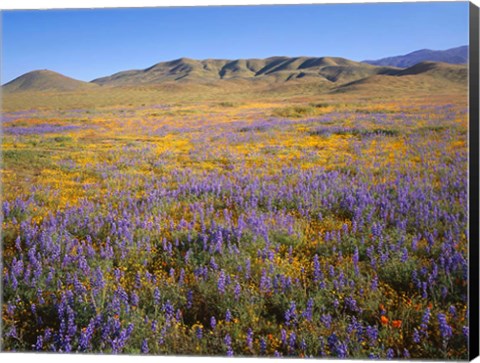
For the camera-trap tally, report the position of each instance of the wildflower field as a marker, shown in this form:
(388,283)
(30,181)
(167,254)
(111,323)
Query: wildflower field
(294,228)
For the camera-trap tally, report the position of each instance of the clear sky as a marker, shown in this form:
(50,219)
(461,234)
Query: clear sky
(86,44)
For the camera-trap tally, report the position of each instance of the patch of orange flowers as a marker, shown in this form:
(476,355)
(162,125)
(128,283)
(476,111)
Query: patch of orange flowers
(395,323)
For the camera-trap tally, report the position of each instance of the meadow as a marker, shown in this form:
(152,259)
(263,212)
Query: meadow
(329,226)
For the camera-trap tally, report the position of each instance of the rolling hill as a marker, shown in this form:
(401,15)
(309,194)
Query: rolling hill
(457,55)
(424,76)
(45,80)
(274,76)
(452,72)
(271,69)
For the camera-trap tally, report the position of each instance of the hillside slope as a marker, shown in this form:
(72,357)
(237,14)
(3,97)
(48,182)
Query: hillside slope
(425,77)
(458,55)
(271,69)
(45,80)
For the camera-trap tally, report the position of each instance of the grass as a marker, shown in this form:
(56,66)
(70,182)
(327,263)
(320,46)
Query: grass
(295,111)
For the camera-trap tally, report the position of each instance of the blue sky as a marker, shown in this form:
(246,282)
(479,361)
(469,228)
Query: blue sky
(86,44)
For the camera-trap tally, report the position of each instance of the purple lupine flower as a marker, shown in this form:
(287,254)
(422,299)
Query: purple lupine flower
(138,280)
(290,315)
(228,342)
(156,296)
(47,334)
(317,272)
(424,290)
(326,320)
(425,320)
(39,343)
(332,342)
(263,346)
(86,336)
(445,329)
(199,332)
(404,257)
(372,334)
(213,322)
(144,348)
(265,282)
(336,303)
(228,316)
(416,336)
(189,299)
(237,291)
(308,313)
(415,243)
(351,304)
(292,341)
(213,264)
(168,310)
(14,282)
(374,284)
(135,300)
(247,269)
(283,334)
(249,339)
(356,259)
(444,291)
(452,311)
(331,271)
(390,353)
(10,309)
(181,278)
(303,345)
(178,315)
(221,282)
(342,350)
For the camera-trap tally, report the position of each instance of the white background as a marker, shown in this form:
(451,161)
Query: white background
(50,4)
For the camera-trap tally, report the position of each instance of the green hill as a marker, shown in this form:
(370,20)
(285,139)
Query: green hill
(45,80)
(273,69)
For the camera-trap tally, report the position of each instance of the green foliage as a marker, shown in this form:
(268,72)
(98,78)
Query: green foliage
(397,273)
(295,111)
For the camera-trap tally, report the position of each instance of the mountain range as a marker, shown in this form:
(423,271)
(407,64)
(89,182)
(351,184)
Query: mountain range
(328,69)
(457,55)
(330,72)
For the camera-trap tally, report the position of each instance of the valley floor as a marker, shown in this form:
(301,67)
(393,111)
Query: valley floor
(324,226)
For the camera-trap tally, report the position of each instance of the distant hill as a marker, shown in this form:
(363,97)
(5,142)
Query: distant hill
(426,76)
(451,72)
(271,69)
(45,80)
(270,75)
(457,55)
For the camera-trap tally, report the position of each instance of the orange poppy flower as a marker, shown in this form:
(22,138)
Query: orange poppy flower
(384,320)
(397,323)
